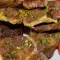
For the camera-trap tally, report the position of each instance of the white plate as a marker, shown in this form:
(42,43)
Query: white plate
(55,56)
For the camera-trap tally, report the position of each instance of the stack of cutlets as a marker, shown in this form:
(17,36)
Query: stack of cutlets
(29,29)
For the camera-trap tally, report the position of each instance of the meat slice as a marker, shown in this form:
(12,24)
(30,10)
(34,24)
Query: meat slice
(54,9)
(45,42)
(10,39)
(25,3)
(11,12)
(35,17)
(30,53)
(6,2)
(27,17)
(11,3)
(29,4)
(17,47)
(47,27)
(7,31)
(10,15)
(49,54)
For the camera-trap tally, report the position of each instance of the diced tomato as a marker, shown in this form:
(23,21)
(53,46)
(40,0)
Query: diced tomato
(59,48)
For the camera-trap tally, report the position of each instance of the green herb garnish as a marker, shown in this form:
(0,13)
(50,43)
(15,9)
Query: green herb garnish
(13,52)
(26,43)
(44,40)
(46,8)
(7,55)
(33,16)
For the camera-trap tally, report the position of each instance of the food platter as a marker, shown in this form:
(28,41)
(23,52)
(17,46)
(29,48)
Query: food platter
(29,30)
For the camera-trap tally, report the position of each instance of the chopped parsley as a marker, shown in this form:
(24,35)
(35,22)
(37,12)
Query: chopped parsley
(33,16)
(28,43)
(46,8)
(13,52)
(44,40)
(7,55)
